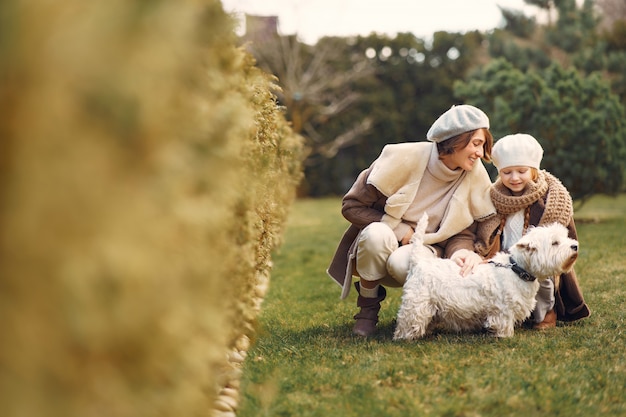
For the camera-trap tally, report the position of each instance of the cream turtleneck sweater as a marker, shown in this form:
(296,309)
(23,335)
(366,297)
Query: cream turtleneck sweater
(398,173)
(433,195)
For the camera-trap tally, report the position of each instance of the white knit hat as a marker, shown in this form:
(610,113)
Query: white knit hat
(457,120)
(517,150)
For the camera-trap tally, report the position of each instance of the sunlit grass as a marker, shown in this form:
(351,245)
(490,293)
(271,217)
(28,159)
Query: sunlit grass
(305,361)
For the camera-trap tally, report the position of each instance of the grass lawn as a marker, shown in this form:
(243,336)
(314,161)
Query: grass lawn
(305,361)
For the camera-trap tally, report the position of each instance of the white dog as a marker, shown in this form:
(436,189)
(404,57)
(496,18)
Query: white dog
(496,296)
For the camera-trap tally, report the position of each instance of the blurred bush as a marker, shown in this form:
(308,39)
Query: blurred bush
(145,177)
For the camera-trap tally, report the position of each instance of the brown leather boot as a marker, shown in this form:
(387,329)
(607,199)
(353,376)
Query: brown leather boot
(549,321)
(367,318)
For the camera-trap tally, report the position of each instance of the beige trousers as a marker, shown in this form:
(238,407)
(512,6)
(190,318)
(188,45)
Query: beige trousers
(380,256)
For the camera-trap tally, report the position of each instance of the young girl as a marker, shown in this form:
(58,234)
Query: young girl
(524,196)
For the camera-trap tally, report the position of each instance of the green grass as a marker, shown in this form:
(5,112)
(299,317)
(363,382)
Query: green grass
(305,362)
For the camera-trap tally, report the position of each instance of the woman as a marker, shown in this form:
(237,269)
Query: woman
(444,178)
(524,197)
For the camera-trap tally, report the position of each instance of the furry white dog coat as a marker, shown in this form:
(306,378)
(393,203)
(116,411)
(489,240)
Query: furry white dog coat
(496,296)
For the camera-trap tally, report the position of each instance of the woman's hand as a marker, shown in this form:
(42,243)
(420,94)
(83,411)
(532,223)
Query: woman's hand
(467,260)
(407,238)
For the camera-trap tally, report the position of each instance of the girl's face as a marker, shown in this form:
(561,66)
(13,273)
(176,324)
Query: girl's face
(467,157)
(515,178)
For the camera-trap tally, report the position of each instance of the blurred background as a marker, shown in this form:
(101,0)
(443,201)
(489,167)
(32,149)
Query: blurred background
(355,76)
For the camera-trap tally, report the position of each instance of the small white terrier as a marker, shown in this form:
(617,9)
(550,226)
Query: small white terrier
(496,296)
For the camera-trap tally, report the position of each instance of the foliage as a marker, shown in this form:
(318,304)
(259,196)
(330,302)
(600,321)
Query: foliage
(616,36)
(615,40)
(575,28)
(361,93)
(307,363)
(591,59)
(518,23)
(412,85)
(522,57)
(612,12)
(146,176)
(316,87)
(272,155)
(578,121)
(585,37)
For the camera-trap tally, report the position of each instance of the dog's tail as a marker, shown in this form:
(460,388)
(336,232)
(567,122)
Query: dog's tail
(420,230)
(417,240)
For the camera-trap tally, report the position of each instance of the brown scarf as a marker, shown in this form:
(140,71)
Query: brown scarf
(558,209)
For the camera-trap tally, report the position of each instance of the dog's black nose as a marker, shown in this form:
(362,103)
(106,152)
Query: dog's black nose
(575,247)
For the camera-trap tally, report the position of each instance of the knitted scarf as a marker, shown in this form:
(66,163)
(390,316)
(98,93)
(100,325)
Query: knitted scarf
(558,209)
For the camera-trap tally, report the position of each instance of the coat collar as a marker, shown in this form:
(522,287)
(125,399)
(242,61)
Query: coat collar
(397,174)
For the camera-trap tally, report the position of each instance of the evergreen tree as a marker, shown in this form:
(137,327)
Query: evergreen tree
(518,23)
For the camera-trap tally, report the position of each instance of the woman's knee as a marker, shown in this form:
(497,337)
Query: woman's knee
(377,237)
(376,242)
(398,263)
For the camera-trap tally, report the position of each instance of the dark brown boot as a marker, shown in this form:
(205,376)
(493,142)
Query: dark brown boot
(549,322)
(367,318)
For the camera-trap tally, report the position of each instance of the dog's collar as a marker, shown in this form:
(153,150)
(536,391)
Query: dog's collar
(521,272)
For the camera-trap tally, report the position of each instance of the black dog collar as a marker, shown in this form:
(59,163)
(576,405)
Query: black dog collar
(521,272)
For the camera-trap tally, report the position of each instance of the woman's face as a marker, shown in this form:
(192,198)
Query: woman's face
(515,178)
(467,157)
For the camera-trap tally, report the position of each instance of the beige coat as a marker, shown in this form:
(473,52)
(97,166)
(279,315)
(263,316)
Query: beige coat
(384,192)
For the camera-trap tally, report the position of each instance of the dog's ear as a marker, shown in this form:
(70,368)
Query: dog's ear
(526,246)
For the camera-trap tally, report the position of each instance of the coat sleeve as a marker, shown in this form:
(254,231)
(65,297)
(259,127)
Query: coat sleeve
(363,203)
(462,240)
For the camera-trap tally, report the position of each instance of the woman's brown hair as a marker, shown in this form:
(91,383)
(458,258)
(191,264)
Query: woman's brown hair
(458,142)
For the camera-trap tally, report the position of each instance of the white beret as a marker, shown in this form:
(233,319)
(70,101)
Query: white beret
(457,120)
(517,150)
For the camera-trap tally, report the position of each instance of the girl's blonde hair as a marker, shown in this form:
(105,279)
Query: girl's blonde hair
(535,173)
